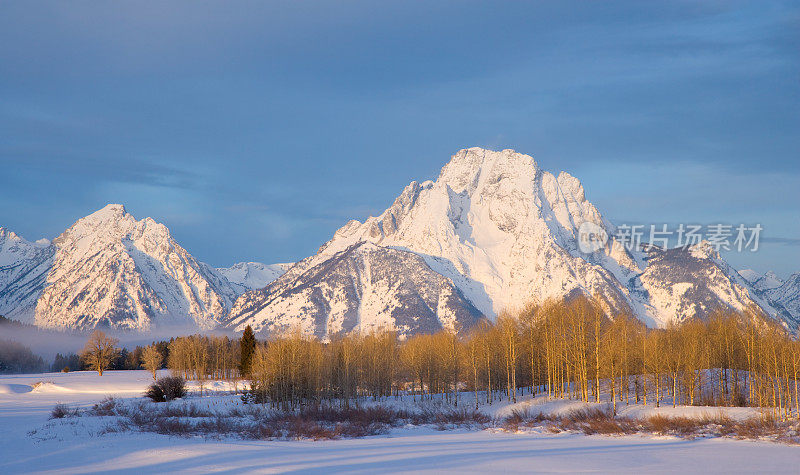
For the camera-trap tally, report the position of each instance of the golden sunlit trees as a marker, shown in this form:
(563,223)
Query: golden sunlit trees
(561,349)
(100,350)
(152,359)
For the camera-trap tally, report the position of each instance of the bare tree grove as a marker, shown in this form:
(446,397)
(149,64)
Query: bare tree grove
(559,349)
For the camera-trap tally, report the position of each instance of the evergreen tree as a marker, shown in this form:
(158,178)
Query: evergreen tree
(248,346)
(71,361)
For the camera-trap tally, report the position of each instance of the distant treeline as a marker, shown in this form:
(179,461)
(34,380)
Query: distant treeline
(124,360)
(18,358)
(13,323)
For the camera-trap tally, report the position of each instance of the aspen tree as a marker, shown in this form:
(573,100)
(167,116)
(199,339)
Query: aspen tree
(152,359)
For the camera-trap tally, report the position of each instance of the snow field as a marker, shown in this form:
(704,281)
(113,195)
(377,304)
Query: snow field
(30,442)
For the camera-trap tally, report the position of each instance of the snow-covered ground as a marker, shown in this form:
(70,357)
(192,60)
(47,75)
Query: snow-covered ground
(29,442)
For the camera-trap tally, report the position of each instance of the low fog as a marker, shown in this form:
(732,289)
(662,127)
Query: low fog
(47,343)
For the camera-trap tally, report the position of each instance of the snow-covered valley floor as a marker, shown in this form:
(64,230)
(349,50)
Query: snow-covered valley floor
(30,442)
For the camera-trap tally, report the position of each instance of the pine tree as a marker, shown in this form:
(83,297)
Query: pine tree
(248,346)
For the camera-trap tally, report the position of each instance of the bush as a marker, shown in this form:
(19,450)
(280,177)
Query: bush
(167,389)
(106,407)
(256,394)
(174,387)
(61,411)
(155,393)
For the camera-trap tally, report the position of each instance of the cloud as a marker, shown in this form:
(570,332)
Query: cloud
(67,164)
(268,125)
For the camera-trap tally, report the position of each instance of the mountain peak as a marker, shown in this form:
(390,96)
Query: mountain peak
(7,234)
(571,185)
(474,168)
(770,280)
(495,223)
(111,211)
(703,250)
(111,269)
(749,275)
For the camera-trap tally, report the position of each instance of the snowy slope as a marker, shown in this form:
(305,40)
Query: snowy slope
(781,294)
(23,270)
(505,233)
(246,276)
(363,287)
(749,275)
(682,283)
(31,442)
(767,281)
(787,295)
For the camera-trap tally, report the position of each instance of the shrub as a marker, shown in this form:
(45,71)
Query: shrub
(167,389)
(256,394)
(106,407)
(681,426)
(61,411)
(155,393)
(174,387)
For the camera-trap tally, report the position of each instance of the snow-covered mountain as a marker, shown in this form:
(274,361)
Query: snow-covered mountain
(246,276)
(788,296)
(782,294)
(493,232)
(503,232)
(749,275)
(685,282)
(23,270)
(768,281)
(110,270)
(363,287)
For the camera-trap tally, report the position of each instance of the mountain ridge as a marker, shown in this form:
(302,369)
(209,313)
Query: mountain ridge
(494,232)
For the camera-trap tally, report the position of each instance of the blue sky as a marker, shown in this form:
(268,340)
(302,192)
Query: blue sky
(255,129)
